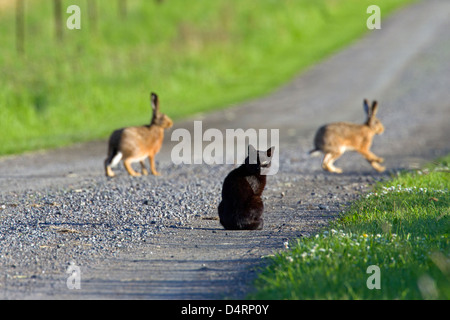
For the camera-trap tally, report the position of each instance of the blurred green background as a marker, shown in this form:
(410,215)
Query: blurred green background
(198,55)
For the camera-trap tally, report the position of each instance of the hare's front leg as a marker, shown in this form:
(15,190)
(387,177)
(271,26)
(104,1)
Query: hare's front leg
(144,170)
(373,160)
(152,165)
(370,156)
(377,166)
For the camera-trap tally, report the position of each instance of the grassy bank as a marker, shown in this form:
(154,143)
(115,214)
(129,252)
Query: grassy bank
(198,55)
(402,228)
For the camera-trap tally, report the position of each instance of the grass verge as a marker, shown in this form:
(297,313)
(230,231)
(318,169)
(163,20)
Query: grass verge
(198,55)
(402,228)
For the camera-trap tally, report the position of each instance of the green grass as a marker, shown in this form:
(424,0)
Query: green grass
(198,55)
(402,227)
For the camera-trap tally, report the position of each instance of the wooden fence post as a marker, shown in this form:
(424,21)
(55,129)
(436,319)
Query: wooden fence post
(58,19)
(122,8)
(20,26)
(92,15)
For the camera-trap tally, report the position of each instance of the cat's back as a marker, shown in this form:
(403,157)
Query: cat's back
(235,183)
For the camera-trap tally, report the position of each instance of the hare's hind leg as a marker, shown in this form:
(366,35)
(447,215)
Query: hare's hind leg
(131,172)
(108,170)
(328,162)
(111,161)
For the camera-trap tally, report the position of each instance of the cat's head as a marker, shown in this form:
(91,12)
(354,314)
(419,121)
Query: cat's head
(257,161)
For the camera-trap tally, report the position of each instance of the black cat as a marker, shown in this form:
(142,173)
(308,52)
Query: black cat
(241,207)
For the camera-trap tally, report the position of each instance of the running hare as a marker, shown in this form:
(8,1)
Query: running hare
(335,138)
(135,144)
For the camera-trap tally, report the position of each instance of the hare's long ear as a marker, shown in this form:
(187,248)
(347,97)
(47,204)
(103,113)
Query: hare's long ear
(155,106)
(374,108)
(270,151)
(366,108)
(155,101)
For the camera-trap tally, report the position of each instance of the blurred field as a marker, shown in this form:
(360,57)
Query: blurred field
(197,55)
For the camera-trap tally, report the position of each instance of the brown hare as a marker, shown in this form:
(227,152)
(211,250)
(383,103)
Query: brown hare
(135,144)
(336,138)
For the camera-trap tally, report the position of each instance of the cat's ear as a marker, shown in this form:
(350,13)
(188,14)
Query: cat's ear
(270,151)
(252,155)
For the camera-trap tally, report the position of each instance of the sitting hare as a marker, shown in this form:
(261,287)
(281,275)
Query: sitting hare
(336,138)
(135,144)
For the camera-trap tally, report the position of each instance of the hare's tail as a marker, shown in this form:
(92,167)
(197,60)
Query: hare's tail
(114,159)
(314,152)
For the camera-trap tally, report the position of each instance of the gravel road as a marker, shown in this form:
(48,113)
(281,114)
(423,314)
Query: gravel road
(159,237)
